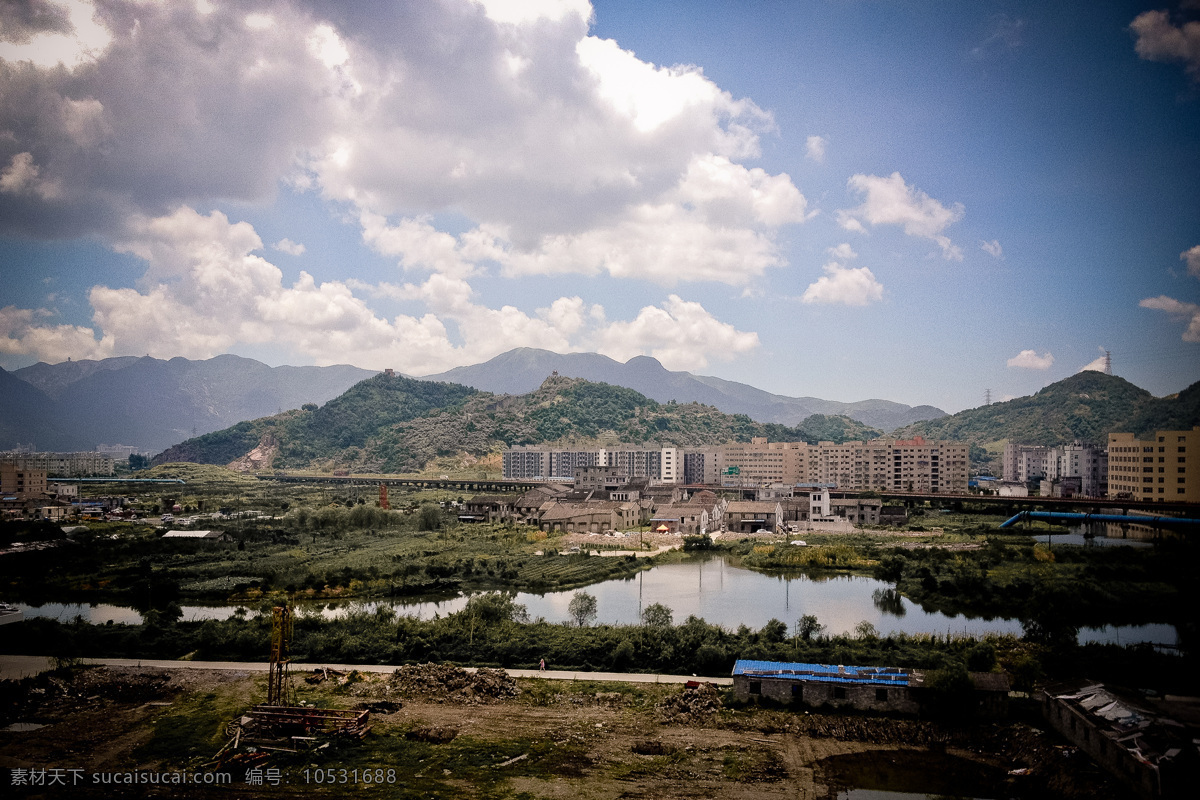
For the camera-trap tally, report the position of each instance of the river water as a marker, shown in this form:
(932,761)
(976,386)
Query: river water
(710,588)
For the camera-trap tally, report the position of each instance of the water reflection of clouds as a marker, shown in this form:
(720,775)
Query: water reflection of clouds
(711,589)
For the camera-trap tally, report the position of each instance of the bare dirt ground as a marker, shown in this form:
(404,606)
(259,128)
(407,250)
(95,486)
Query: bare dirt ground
(442,735)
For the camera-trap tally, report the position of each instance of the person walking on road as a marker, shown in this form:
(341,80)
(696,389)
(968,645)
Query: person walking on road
(542,665)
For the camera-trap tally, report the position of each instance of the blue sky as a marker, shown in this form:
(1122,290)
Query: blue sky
(919,201)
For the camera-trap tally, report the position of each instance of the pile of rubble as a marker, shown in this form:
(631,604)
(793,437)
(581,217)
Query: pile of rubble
(63,691)
(443,682)
(434,734)
(694,704)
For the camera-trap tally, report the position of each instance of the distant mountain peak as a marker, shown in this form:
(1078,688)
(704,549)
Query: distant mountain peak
(523,370)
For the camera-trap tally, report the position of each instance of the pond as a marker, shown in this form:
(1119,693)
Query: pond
(709,587)
(904,774)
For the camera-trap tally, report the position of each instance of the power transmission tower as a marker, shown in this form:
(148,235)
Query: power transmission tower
(1107,363)
(987,397)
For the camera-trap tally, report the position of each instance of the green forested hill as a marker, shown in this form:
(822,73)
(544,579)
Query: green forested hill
(329,431)
(394,424)
(1086,406)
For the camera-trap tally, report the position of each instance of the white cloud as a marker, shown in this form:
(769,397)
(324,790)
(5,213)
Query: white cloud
(1096,365)
(814,148)
(289,247)
(680,334)
(890,201)
(23,176)
(843,251)
(1159,40)
(565,152)
(1029,359)
(50,37)
(716,225)
(21,334)
(992,248)
(418,244)
(562,152)
(1192,259)
(1190,312)
(205,291)
(517,12)
(845,286)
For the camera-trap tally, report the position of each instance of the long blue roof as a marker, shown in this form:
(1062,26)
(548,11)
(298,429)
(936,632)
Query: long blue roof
(828,673)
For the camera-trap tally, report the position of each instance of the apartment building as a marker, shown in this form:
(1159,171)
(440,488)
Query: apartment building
(64,465)
(898,465)
(759,462)
(1163,468)
(908,465)
(1086,463)
(700,466)
(861,465)
(1026,462)
(18,480)
(659,464)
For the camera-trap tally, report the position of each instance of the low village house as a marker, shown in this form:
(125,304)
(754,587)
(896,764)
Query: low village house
(875,689)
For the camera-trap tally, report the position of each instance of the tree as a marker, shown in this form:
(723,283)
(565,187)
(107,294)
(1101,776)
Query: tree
(865,630)
(656,615)
(582,608)
(774,631)
(430,518)
(137,462)
(807,627)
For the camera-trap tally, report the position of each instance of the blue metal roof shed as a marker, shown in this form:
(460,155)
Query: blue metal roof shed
(827,673)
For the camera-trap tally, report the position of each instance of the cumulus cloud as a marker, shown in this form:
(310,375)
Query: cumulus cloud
(48,34)
(715,225)
(843,285)
(890,201)
(1192,259)
(842,251)
(566,152)
(992,248)
(22,333)
(679,333)
(1158,39)
(1029,359)
(289,247)
(21,20)
(206,290)
(22,176)
(1188,312)
(814,148)
(554,152)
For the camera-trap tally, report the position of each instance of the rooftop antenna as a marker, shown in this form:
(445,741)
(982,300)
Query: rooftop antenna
(1107,362)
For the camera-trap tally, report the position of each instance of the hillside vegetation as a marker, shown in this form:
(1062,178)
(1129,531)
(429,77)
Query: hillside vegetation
(1087,406)
(395,424)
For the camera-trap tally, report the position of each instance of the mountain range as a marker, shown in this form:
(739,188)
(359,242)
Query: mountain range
(522,370)
(390,423)
(150,403)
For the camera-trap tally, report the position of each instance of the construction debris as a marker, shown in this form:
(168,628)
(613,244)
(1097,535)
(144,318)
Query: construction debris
(446,683)
(381,706)
(434,734)
(693,704)
(652,747)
